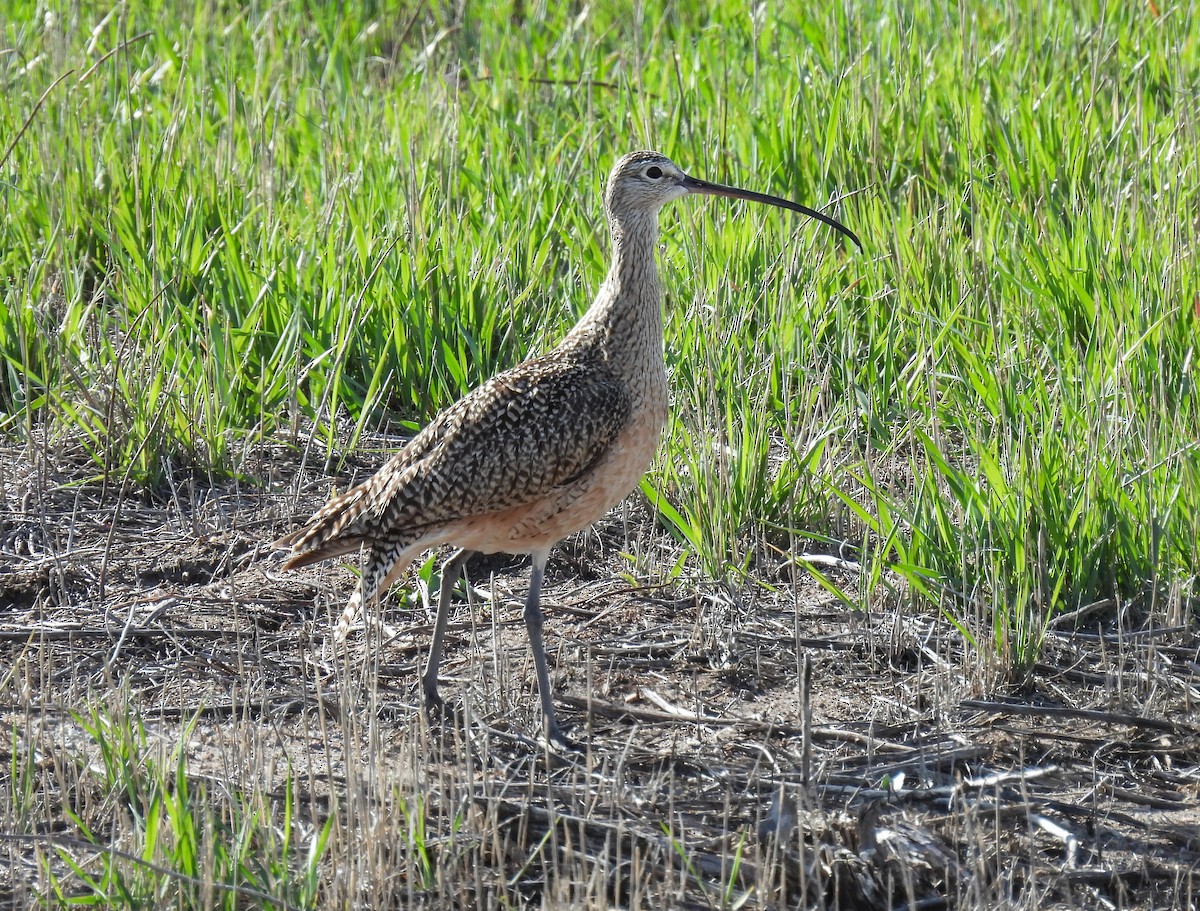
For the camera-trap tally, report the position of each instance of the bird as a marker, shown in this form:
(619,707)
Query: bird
(538,452)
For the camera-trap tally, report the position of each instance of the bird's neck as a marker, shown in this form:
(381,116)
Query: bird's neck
(624,325)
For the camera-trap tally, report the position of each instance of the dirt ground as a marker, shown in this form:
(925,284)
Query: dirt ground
(759,741)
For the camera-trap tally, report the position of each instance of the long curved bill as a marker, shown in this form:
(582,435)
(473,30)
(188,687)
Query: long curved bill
(695,185)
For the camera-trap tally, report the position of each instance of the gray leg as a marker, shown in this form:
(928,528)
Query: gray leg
(533,623)
(451,570)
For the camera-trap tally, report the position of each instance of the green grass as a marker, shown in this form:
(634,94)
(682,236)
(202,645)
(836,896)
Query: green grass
(224,222)
(143,830)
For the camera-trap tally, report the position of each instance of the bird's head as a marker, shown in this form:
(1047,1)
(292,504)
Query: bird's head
(641,183)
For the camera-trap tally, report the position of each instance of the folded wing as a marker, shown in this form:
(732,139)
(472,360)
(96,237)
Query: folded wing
(519,437)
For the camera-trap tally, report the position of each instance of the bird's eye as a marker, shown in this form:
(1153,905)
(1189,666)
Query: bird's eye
(654,173)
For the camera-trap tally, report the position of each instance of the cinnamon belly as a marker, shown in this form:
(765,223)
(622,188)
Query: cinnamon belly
(544,522)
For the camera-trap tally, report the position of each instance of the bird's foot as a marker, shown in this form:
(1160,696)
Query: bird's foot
(438,713)
(561,743)
(435,706)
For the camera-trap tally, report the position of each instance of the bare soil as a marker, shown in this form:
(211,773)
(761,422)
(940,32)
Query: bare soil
(758,742)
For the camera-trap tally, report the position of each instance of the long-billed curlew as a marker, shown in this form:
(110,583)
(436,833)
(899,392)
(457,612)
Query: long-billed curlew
(538,452)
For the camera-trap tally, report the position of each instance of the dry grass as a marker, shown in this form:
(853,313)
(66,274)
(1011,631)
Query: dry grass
(892,769)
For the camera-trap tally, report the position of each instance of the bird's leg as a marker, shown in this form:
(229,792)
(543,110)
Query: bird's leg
(533,623)
(451,570)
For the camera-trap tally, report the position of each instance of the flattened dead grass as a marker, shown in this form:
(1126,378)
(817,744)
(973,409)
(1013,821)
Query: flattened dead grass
(752,748)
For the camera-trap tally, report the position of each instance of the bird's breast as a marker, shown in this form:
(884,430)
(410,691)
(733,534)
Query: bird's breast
(576,506)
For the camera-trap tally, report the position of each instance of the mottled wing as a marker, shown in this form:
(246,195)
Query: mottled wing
(515,439)
(518,437)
